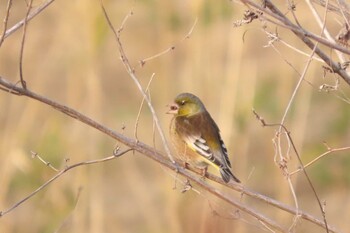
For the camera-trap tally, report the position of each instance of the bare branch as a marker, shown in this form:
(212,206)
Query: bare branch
(345,11)
(140,109)
(301,165)
(342,8)
(268,200)
(9,4)
(271,10)
(36,155)
(275,37)
(23,82)
(132,75)
(322,25)
(329,151)
(33,13)
(70,214)
(171,48)
(291,100)
(59,174)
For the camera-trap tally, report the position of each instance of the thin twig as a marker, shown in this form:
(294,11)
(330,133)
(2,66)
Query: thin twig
(263,122)
(329,151)
(322,25)
(141,106)
(171,48)
(270,9)
(282,157)
(268,200)
(284,59)
(310,183)
(284,22)
(33,13)
(59,174)
(23,82)
(36,155)
(132,75)
(274,37)
(71,212)
(291,8)
(344,9)
(296,89)
(2,38)
(153,124)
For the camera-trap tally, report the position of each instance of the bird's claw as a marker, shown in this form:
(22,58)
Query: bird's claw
(186,187)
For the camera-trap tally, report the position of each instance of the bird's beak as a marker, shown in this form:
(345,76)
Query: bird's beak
(173,108)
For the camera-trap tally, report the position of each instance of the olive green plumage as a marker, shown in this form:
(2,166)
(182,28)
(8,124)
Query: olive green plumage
(197,137)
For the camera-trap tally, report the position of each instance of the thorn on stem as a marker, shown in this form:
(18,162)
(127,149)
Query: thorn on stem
(259,118)
(324,204)
(116,150)
(66,160)
(142,63)
(34,154)
(327,146)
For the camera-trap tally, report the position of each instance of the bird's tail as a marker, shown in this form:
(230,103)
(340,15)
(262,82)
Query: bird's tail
(226,175)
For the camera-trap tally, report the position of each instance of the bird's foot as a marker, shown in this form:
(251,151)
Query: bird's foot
(204,173)
(187,186)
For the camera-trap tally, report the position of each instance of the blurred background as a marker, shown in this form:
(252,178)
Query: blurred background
(72,57)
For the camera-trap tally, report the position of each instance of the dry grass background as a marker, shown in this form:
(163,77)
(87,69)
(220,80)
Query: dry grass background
(71,56)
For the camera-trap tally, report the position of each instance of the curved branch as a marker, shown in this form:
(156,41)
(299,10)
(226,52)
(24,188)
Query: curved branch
(59,174)
(30,16)
(9,4)
(132,75)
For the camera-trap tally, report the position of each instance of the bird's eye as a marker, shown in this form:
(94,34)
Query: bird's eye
(173,107)
(183,102)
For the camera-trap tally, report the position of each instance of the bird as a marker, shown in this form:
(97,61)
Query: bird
(196,136)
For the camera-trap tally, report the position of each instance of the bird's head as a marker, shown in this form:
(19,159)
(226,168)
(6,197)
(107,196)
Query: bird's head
(186,104)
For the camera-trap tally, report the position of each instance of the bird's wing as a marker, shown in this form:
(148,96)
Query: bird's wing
(217,145)
(205,139)
(224,151)
(199,144)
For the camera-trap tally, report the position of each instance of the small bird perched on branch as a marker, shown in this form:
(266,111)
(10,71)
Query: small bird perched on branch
(196,136)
